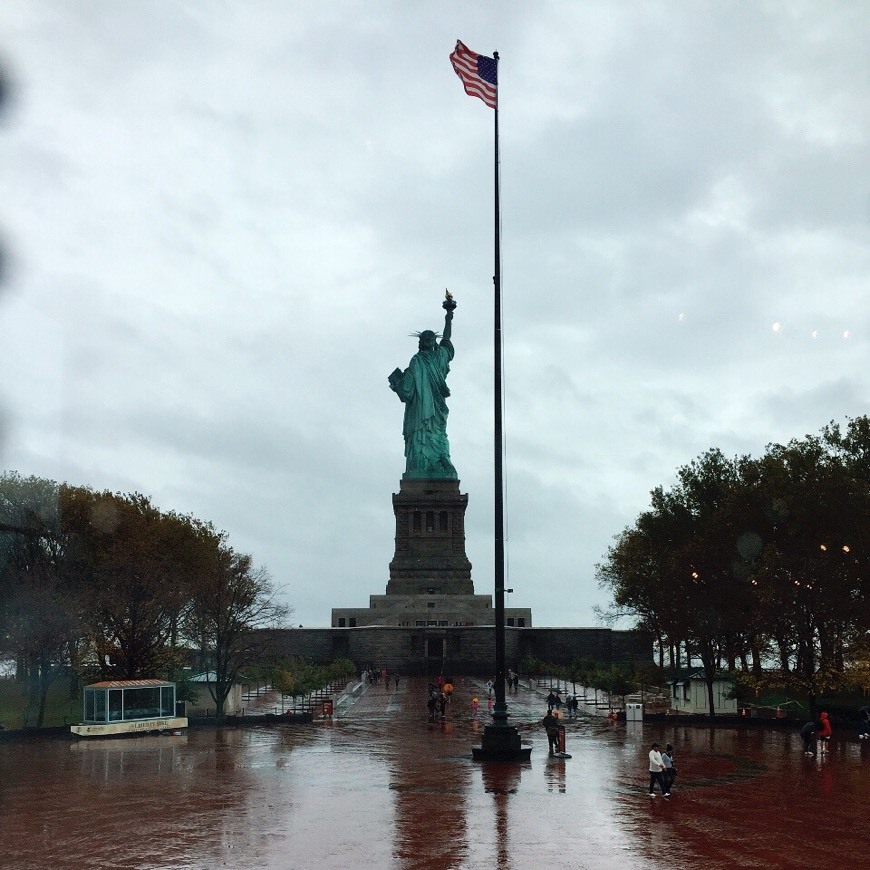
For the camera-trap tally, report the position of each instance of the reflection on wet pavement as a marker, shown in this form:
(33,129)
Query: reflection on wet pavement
(382,786)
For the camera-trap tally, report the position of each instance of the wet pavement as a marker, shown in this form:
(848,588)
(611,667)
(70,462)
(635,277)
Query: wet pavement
(381,786)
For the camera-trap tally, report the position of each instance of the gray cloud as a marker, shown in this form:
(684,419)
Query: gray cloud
(222,229)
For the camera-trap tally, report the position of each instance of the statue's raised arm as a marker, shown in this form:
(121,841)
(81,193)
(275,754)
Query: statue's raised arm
(422,387)
(449,305)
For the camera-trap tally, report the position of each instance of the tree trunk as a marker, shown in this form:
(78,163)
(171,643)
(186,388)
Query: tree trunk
(44,683)
(710,697)
(784,657)
(756,659)
(33,679)
(708,660)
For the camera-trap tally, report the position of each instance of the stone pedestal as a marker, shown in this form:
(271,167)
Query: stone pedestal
(501,743)
(430,554)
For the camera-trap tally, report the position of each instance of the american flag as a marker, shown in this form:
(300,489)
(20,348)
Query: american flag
(478,73)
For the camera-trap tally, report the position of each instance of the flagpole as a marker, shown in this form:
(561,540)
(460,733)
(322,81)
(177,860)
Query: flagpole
(500,741)
(499,714)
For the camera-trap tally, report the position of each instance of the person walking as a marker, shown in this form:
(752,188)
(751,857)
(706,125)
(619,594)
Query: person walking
(430,704)
(551,725)
(670,769)
(551,700)
(808,735)
(656,772)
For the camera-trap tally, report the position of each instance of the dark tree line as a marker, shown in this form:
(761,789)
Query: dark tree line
(105,585)
(760,565)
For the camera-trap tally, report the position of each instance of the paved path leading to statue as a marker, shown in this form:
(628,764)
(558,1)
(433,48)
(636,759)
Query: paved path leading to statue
(526,706)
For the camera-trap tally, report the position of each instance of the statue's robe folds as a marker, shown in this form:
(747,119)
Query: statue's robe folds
(423,388)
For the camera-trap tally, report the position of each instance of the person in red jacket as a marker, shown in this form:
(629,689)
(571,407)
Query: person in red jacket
(824,733)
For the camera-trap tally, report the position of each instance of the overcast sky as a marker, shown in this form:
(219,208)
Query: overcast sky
(223,220)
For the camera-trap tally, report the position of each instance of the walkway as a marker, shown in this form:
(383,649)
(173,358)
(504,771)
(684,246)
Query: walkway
(381,786)
(526,706)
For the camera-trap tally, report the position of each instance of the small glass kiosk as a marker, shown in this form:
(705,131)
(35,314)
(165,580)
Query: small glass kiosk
(128,707)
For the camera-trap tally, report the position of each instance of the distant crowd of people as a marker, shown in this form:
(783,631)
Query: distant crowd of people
(554,702)
(440,694)
(373,675)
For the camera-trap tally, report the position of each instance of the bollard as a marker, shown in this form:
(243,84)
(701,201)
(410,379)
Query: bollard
(561,738)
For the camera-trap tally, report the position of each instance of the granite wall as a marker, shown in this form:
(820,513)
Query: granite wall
(459,650)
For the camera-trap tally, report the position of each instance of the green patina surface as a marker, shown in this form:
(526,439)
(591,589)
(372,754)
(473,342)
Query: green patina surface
(422,387)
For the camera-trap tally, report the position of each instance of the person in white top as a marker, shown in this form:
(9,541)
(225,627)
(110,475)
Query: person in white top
(656,766)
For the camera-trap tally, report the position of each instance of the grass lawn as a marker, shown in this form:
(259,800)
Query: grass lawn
(844,705)
(15,712)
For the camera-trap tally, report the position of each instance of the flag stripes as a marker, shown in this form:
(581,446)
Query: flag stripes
(477,72)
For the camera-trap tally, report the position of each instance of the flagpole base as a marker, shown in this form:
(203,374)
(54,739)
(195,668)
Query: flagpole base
(501,743)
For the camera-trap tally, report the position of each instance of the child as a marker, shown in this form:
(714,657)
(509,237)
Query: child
(824,731)
(670,770)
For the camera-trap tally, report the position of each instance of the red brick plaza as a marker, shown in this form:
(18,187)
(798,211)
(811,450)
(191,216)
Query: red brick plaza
(381,786)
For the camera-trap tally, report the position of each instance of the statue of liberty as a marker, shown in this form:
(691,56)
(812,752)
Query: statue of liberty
(423,389)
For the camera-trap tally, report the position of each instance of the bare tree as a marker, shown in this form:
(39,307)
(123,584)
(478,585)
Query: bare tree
(228,602)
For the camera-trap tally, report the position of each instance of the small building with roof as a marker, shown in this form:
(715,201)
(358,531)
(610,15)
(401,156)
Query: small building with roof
(202,703)
(689,692)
